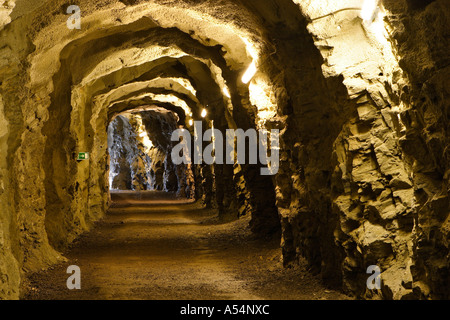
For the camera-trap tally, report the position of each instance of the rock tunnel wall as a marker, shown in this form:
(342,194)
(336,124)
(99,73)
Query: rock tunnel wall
(123,152)
(420,30)
(362,108)
(139,160)
(351,201)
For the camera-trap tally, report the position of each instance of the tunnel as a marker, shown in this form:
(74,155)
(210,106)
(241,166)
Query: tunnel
(340,159)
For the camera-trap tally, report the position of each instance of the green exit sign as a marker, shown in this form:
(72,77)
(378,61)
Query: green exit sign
(83,156)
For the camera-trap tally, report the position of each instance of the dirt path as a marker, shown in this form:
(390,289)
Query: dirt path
(159,248)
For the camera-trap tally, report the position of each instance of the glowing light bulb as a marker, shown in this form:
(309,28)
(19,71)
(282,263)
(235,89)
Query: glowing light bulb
(226,92)
(204,113)
(368,10)
(249,74)
(191,122)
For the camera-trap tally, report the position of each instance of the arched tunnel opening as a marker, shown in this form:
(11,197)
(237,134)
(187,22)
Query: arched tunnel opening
(254,143)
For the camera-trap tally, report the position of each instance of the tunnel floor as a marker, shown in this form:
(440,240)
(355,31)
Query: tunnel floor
(156,247)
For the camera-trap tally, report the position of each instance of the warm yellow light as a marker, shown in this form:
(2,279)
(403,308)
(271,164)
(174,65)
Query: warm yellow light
(226,92)
(204,113)
(248,75)
(191,122)
(368,10)
(143,134)
(148,144)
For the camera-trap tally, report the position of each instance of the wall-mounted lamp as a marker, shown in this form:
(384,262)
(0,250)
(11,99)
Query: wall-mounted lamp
(370,10)
(226,92)
(249,74)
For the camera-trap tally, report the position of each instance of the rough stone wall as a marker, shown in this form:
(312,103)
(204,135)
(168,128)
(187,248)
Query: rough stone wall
(25,246)
(163,173)
(123,151)
(421,34)
(348,198)
(371,187)
(9,267)
(6,7)
(311,110)
(139,149)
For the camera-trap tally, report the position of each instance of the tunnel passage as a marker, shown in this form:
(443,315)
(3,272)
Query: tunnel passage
(359,99)
(139,149)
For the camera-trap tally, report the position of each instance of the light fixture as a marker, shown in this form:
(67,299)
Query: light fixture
(226,92)
(369,10)
(204,113)
(148,143)
(248,75)
(191,122)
